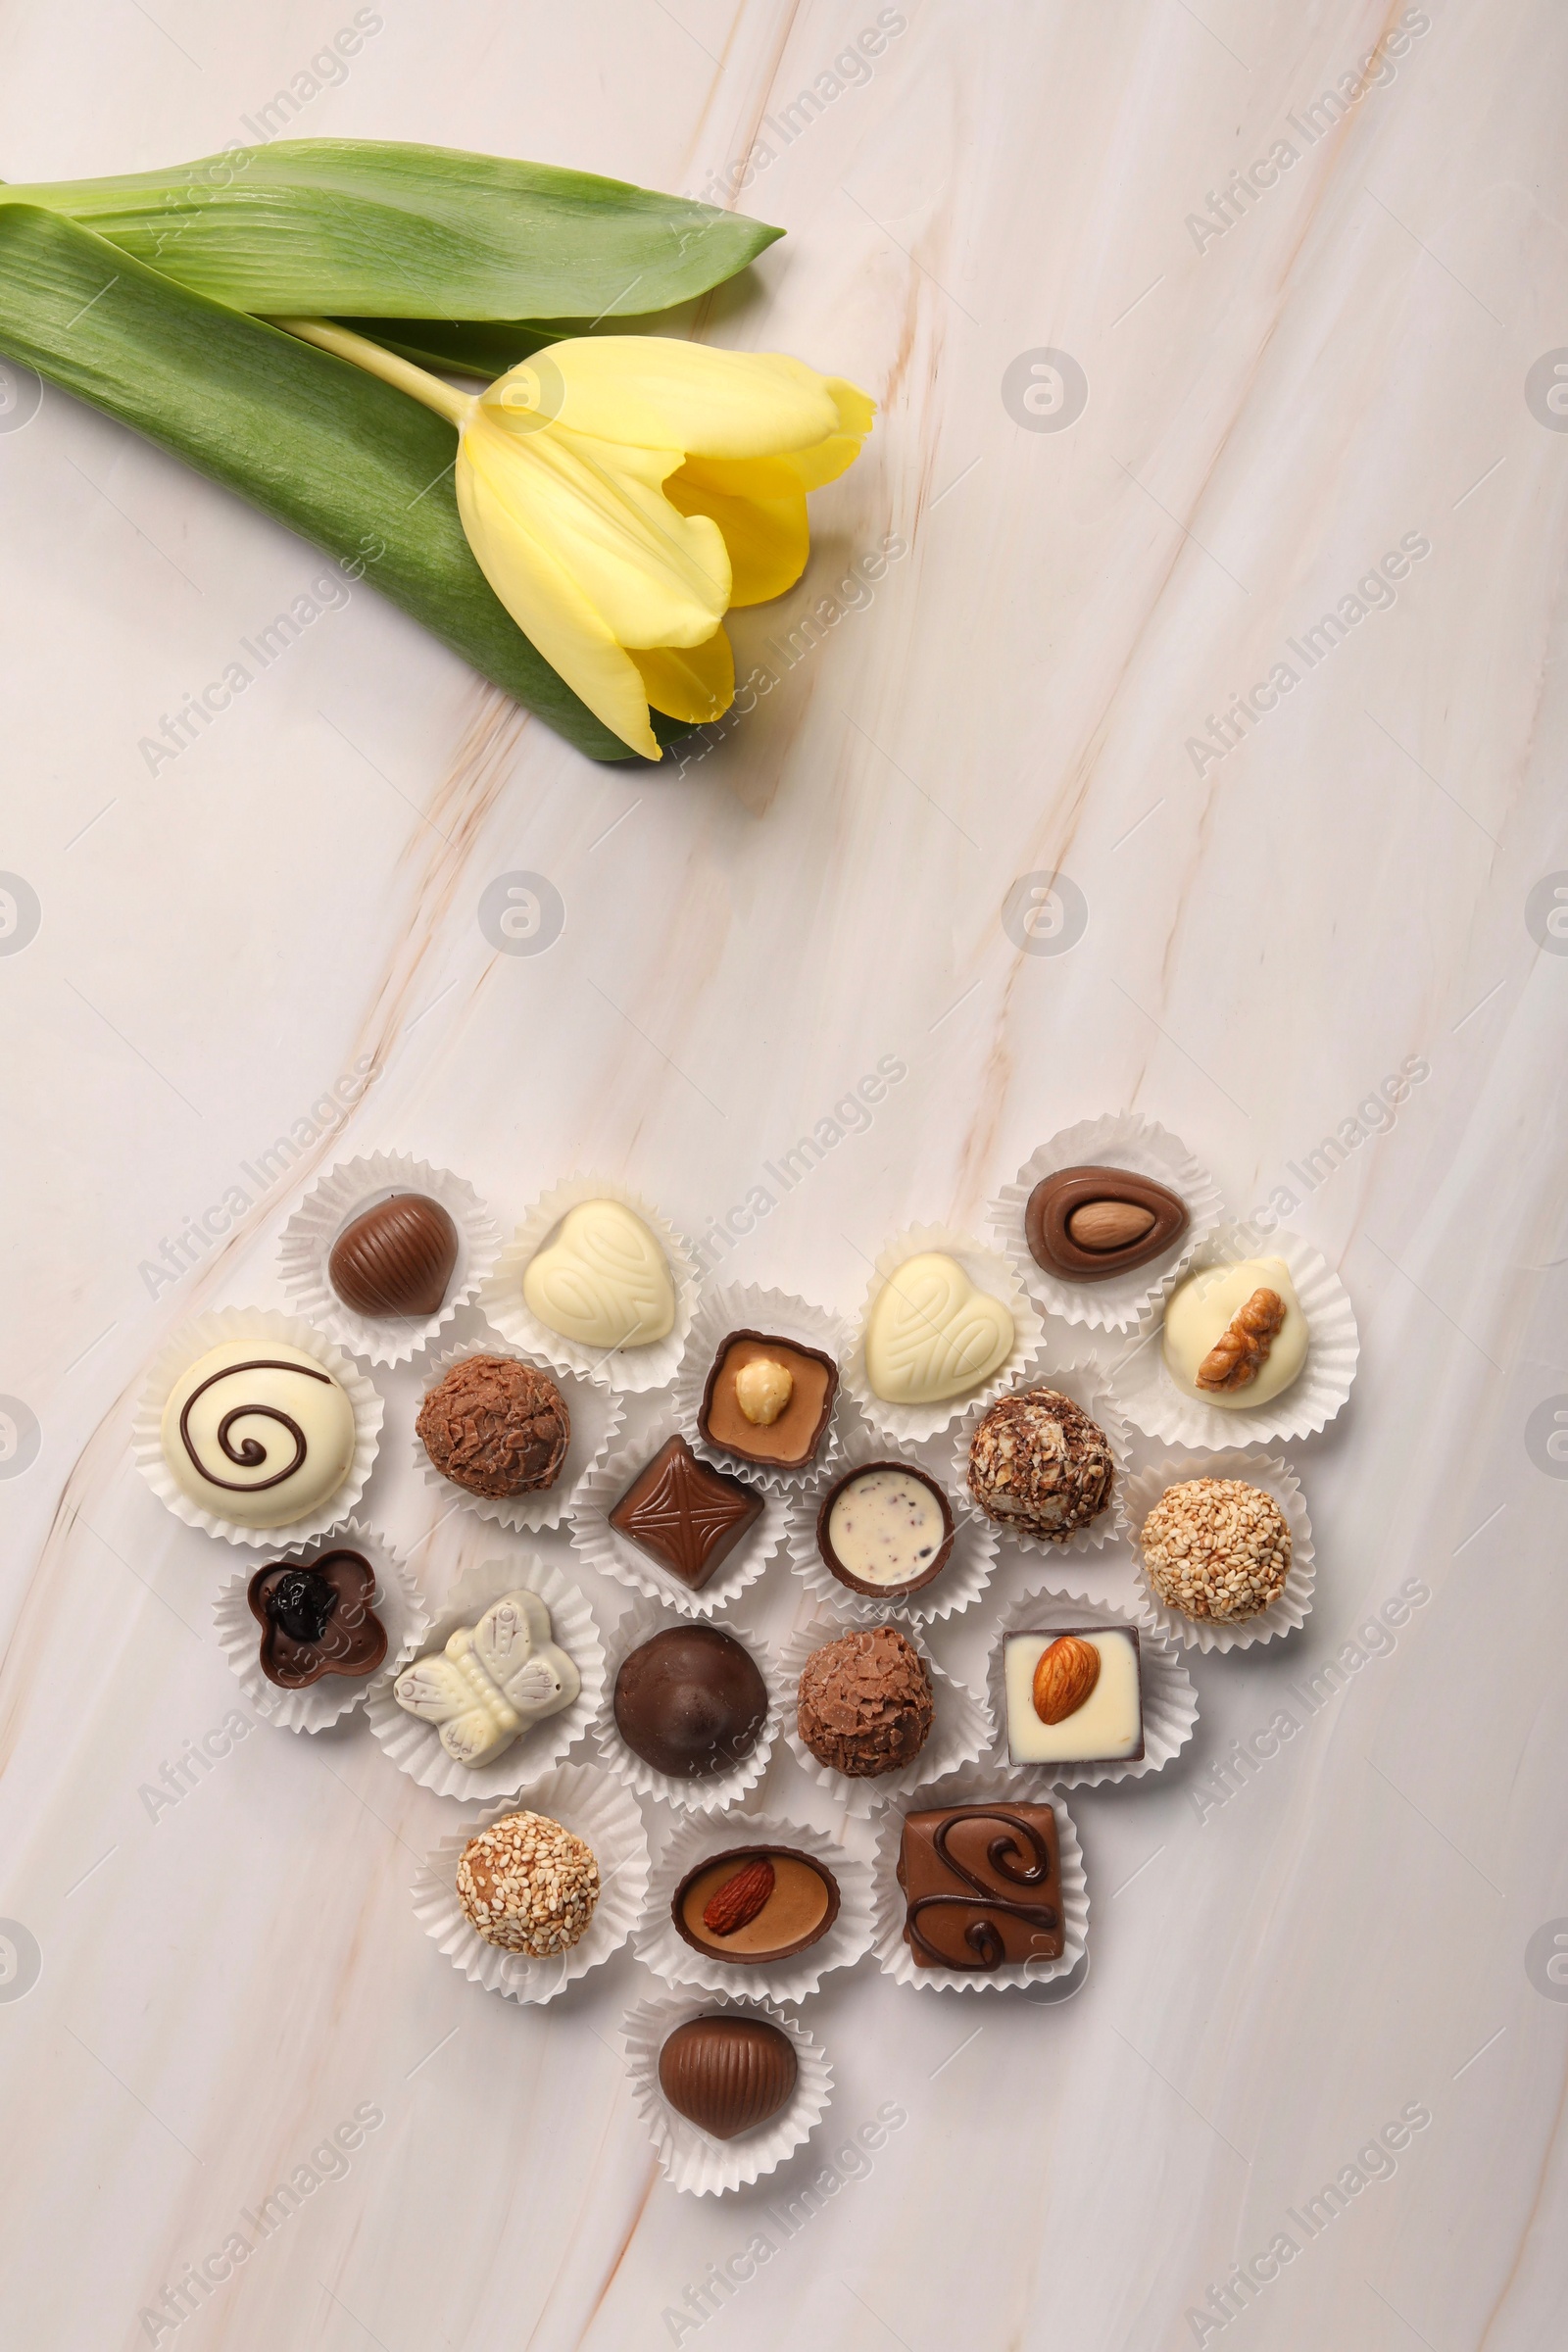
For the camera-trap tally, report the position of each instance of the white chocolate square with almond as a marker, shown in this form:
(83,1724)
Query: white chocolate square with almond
(1107,1728)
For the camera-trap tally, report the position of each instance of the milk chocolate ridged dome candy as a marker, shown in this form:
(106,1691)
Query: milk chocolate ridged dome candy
(395,1258)
(726,2074)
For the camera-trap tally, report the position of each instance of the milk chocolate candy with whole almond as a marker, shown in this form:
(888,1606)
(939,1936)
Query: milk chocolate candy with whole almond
(1092,1224)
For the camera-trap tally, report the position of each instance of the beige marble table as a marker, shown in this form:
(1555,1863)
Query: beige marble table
(1143,423)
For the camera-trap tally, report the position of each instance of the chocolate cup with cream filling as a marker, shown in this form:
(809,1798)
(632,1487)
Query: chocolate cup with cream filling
(803,1888)
(857,1583)
(791,1442)
(1056,1200)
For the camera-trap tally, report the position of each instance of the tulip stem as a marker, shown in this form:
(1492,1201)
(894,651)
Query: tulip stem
(454,406)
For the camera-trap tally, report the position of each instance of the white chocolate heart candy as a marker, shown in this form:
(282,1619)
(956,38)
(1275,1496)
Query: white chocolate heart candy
(932,1334)
(603,1281)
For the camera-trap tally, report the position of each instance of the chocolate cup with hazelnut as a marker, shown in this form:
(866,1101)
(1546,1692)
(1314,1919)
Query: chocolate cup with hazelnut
(883,1591)
(805,1890)
(790,1441)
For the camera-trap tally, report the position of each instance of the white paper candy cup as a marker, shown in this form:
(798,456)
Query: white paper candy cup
(961,1582)
(399,1605)
(415,1745)
(261,1324)
(1090,1390)
(661,1946)
(605,1548)
(978,1786)
(1153,1404)
(779,1314)
(1276,1477)
(913,1424)
(716,1791)
(1169,1701)
(690,2160)
(961,1729)
(1141,1148)
(630,1371)
(607,1818)
(596,1418)
(355,1185)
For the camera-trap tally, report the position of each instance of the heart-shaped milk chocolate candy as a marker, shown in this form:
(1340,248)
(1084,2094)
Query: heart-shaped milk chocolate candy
(603,1281)
(932,1334)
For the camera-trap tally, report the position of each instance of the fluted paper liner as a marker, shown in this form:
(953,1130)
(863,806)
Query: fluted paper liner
(344,1193)
(961,1729)
(415,1745)
(717,1790)
(597,1414)
(399,1605)
(913,1424)
(661,1946)
(609,1820)
(744,1306)
(981,1785)
(1126,1140)
(1153,1404)
(689,2158)
(1169,1701)
(259,1323)
(605,1548)
(1276,1477)
(961,1583)
(1086,1385)
(631,1371)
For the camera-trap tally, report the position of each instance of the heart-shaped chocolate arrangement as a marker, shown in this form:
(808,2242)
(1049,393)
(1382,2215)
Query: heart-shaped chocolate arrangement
(931,1335)
(603,1281)
(726,2074)
(1090,1224)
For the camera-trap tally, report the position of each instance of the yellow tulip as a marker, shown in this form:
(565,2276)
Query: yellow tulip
(621,492)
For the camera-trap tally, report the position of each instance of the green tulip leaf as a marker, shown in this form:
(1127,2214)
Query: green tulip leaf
(371,228)
(356,467)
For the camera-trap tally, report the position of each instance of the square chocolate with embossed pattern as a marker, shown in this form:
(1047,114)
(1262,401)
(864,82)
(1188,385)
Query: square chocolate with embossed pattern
(684,1514)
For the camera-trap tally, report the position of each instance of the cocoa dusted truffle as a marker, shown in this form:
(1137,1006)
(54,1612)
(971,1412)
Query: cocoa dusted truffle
(1039,1467)
(865,1705)
(496,1427)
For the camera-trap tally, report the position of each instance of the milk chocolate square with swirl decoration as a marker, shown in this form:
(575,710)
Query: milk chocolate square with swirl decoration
(981,1886)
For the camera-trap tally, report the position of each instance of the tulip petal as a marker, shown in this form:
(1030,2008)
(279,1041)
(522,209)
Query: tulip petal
(551,609)
(659,393)
(769,538)
(693,682)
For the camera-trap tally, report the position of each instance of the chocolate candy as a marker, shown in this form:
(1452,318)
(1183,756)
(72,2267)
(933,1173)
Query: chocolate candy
(603,1281)
(756,1904)
(685,1515)
(864,1702)
(691,1702)
(760,1417)
(493,1681)
(1039,1467)
(259,1433)
(932,1334)
(727,2075)
(317,1619)
(496,1427)
(1090,1224)
(395,1258)
(981,1886)
(1073,1696)
(885,1528)
(527,1884)
(1235,1336)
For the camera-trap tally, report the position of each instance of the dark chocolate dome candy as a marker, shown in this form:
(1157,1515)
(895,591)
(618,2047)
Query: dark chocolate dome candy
(727,2074)
(395,1258)
(691,1702)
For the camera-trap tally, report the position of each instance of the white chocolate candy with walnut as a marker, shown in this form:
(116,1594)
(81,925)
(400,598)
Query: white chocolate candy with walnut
(603,1281)
(931,1335)
(1199,1311)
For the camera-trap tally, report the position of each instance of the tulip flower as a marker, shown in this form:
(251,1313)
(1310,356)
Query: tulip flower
(621,492)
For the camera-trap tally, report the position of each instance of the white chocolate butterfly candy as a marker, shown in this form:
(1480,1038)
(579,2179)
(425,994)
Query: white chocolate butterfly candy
(603,1281)
(932,1334)
(492,1680)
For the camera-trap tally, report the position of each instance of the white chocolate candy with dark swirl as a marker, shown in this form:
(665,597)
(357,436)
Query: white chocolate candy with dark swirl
(258,1433)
